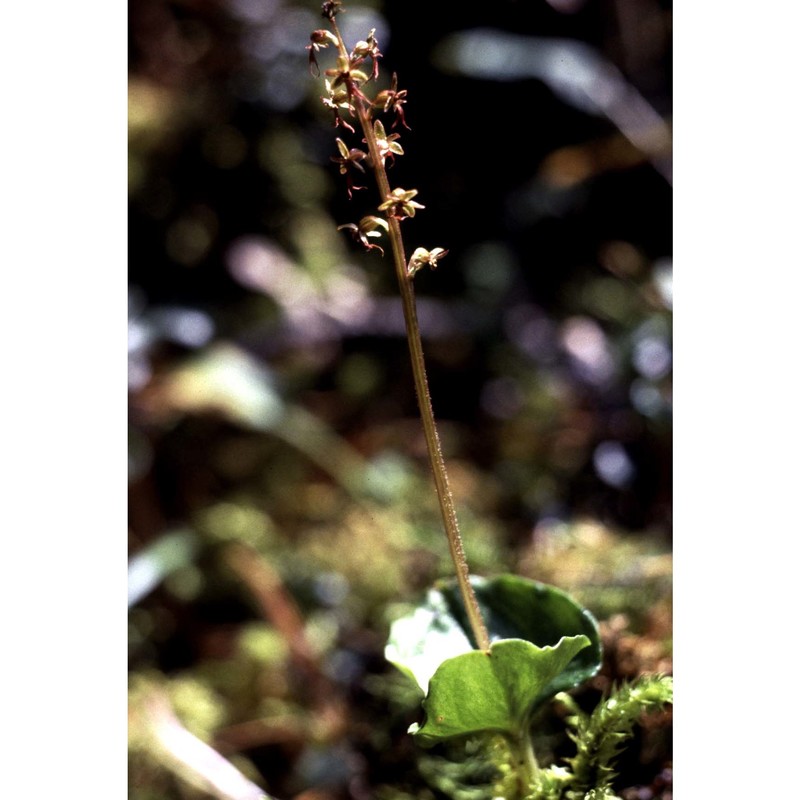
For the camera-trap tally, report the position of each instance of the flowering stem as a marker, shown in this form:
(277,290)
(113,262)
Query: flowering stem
(405,281)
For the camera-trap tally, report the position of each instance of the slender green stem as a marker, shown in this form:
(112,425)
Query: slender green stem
(405,281)
(525,760)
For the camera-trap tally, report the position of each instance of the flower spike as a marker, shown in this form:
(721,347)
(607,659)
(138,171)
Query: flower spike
(346,91)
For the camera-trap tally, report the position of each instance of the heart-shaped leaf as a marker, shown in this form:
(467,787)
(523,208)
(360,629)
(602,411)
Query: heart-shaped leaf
(495,690)
(513,608)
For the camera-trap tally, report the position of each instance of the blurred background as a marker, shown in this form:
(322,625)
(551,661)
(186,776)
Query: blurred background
(281,511)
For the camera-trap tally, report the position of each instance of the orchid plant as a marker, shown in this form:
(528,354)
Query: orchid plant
(486,653)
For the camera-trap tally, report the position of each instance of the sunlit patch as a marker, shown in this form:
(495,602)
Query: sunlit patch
(148,568)
(187,326)
(316,311)
(652,357)
(613,465)
(663,280)
(260,264)
(348,298)
(229,381)
(150,110)
(234,521)
(589,350)
(140,336)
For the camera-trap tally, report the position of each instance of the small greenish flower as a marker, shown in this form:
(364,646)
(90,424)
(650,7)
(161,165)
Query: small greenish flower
(367,49)
(347,160)
(387,145)
(392,100)
(322,38)
(337,100)
(420,257)
(345,74)
(319,39)
(367,227)
(400,203)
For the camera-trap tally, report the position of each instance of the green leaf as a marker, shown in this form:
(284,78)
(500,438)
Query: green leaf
(422,640)
(513,608)
(493,691)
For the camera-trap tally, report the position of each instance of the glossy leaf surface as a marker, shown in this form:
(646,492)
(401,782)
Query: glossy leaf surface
(514,608)
(495,690)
